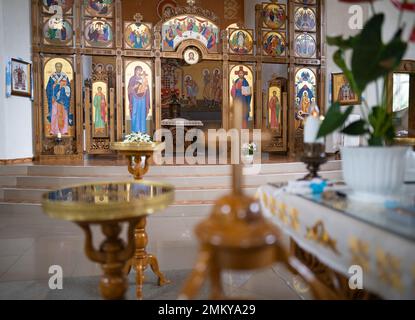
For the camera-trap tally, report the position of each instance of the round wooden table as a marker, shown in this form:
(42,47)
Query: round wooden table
(109,205)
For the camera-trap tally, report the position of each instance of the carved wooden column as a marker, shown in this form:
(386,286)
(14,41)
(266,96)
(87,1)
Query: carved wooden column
(37,78)
(119,97)
(321,38)
(78,24)
(157,76)
(78,107)
(291,81)
(259,102)
(119,73)
(259,95)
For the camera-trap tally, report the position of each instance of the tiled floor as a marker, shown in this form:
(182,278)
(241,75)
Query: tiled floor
(28,247)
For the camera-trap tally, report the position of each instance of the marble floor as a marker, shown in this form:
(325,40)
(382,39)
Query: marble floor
(29,246)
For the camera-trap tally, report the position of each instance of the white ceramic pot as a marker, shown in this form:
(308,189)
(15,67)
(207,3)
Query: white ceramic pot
(375,174)
(248,159)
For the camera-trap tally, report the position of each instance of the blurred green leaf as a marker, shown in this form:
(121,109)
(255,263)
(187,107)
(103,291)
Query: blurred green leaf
(338,58)
(356,128)
(334,120)
(383,130)
(340,42)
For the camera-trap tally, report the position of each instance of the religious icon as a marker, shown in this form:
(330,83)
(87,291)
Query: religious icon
(66,5)
(57,31)
(137,36)
(192,89)
(274,16)
(191,56)
(217,87)
(305,94)
(21,78)
(181,28)
(274,107)
(100,109)
(165,8)
(207,82)
(101,8)
(58,75)
(305,19)
(342,91)
(98,33)
(138,79)
(240,42)
(241,91)
(305,46)
(274,44)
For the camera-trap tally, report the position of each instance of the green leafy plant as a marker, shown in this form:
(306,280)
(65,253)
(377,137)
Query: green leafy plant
(371,60)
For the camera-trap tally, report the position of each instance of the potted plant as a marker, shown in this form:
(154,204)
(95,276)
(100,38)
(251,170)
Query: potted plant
(376,171)
(138,137)
(248,151)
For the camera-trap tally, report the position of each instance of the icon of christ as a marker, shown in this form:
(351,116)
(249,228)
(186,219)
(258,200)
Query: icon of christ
(241,92)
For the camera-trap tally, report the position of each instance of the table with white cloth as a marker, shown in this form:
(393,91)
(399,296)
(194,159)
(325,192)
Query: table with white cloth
(339,233)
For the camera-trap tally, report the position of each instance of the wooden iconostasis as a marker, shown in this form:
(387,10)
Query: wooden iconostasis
(105,68)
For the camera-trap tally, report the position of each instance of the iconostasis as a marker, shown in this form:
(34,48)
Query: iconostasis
(105,68)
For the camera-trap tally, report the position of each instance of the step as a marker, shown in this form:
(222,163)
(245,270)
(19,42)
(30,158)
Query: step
(179,182)
(7,181)
(10,170)
(206,188)
(174,171)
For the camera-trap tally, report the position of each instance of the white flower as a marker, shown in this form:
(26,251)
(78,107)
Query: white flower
(137,137)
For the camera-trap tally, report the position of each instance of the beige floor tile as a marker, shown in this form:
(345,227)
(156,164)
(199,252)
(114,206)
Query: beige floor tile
(176,255)
(269,285)
(296,283)
(235,279)
(15,247)
(36,266)
(173,229)
(86,268)
(7,262)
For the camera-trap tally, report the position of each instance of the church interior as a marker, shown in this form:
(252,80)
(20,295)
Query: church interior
(192,149)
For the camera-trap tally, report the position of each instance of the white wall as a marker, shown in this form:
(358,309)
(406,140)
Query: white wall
(15,112)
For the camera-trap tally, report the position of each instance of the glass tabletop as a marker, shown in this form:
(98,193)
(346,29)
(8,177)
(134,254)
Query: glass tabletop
(108,201)
(397,216)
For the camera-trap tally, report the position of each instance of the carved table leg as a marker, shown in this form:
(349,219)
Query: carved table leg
(152,261)
(112,255)
(142,260)
(113,284)
(135,166)
(140,255)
